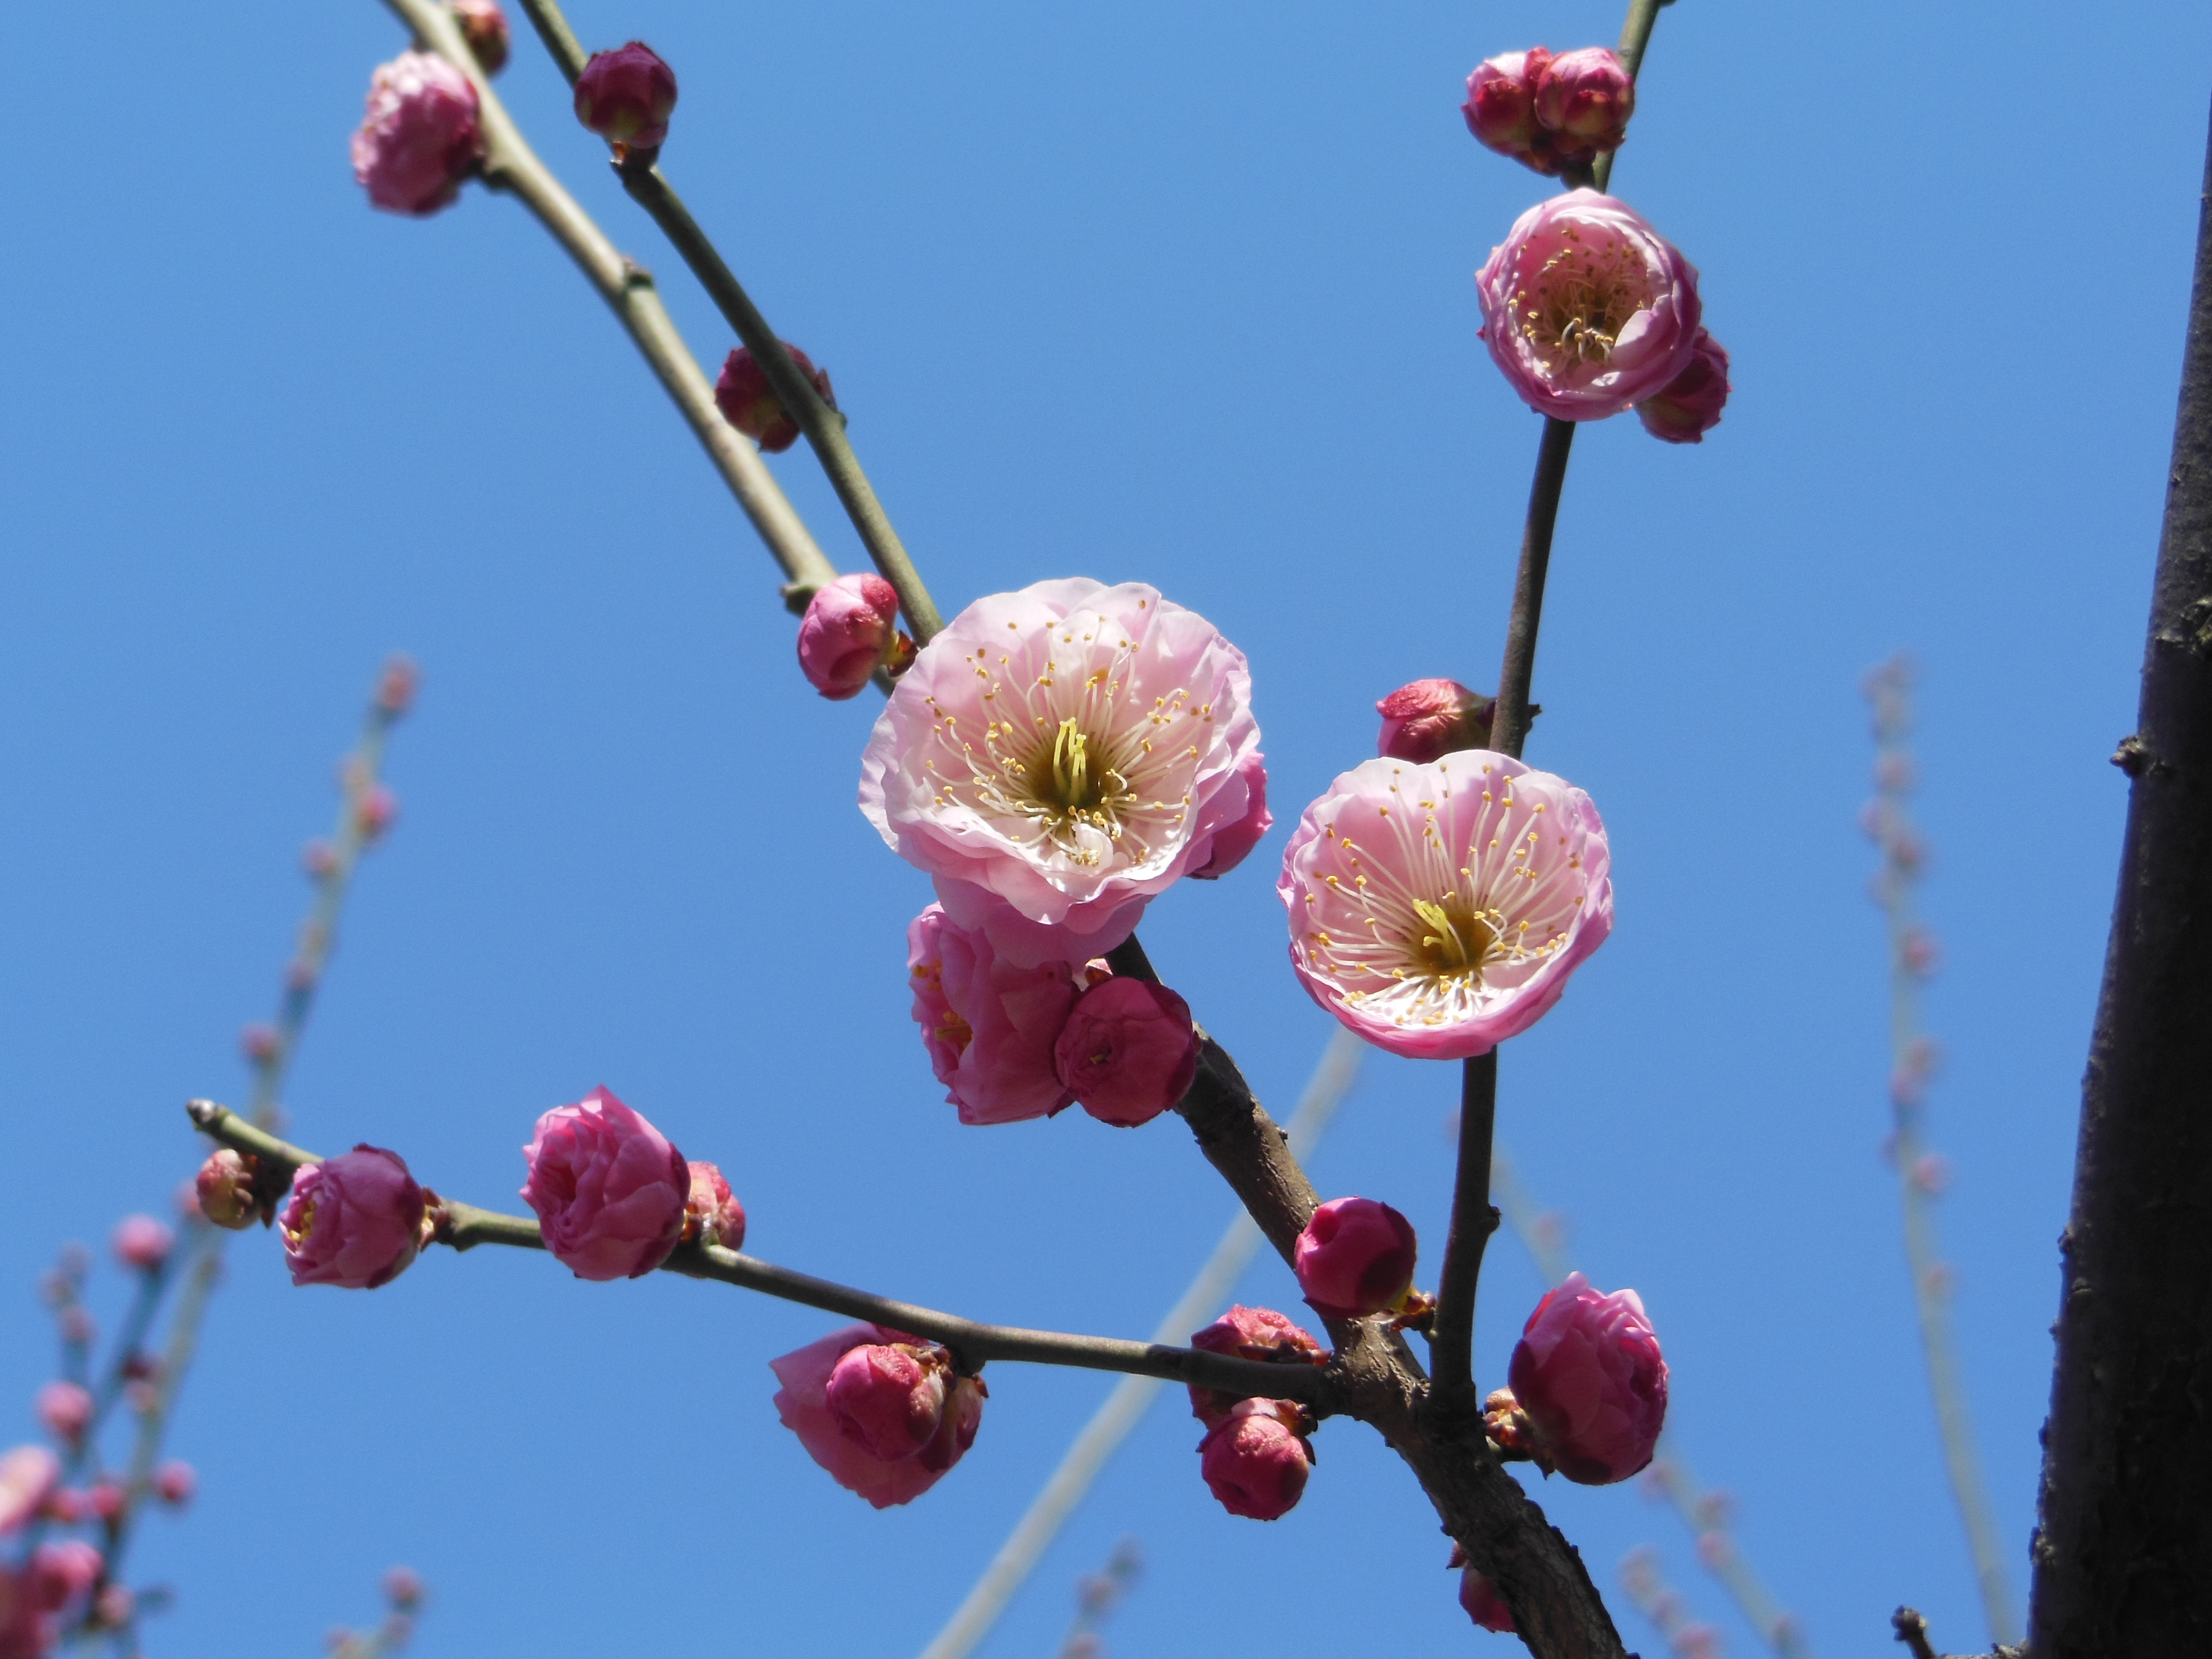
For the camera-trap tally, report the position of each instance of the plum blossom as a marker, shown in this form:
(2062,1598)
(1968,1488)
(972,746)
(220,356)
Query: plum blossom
(1479,1598)
(28,1475)
(1689,406)
(355,1221)
(608,1189)
(889,1397)
(989,1022)
(1586,308)
(1249,1334)
(1584,98)
(1438,910)
(1589,1375)
(1255,1460)
(711,1215)
(225,1191)
(66,1410)
(1355,1257)
(419,138)
(1501,108)
(1071,748)
(483,26)
(1128,1051)
(143,1242)
(850,629)
(851,1449)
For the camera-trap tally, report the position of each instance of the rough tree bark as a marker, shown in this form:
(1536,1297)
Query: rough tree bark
(2122,1551)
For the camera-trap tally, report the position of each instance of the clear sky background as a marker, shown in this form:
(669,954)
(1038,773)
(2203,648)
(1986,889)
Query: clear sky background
(1138,291)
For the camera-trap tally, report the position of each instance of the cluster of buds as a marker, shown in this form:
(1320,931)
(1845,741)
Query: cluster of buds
(849,631)
(626,96)
(1257,1453)
(884,1412)
(1589,1393)
(1551,112)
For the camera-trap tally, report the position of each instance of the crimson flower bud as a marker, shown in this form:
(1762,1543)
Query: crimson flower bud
(1249,1334)
(1128,1051)
(258,1043)
(174,1483)
(401,679)
(115,1607)
(1355,1258)
(1689,406)
(403,1587)
(1501,108)
(710,1214)
(1589,1376)
(1426,720)
(66,1410)
(483,26)
(225,1186)
(28,1475)
(419,138)
(63,1571)
(889,1398)
(1255,1462)
(355,1221)
(1585,98)
(626,96)
(608,1189)
(1478,1597)
(749,402)
(849,631)
(143,1242)
(104,1498)
(376,812)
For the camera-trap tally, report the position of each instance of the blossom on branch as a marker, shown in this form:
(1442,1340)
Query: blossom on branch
(1586,308)
(608,1189)
(711,1215)
(1355,1257)
(1477,1597)
(989,1022)
(749,402)
(355,1221)
(884,1397)
(627,95)
(28,1475)
(419,138)
(1549,110)
(1128,1051)
(1588,1379)
(1256,1460)
(1426,720)
(1071,748)
(851,629)
(65,1408)
(1246,1332)
(143,1242)
(1438,910)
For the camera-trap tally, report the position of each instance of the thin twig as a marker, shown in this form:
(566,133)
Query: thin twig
(1912,1630)
(627,288)
(1473,1218)
(1509,723)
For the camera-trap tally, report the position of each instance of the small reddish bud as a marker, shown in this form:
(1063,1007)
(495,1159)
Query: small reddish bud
(28,1475)
(1426,720)
(1249,1334)
(1355,1258)
(66,1410)
(483,26)
(143,1242)
(1255,1462)
(608,1189)
(850,629)
(711,1215)
(77,1327)
(317,859)
(1501,108)
(225,1186)
(401,679)
(889,1398)
(403,1587)
(104,1499)
(1689,406)
(1589,1375)
(626,96)
(1128,1051)
(174,1483)
(376,810)
(1478,1597)
(749,402)
(115,1607)
(420,138)
(1584,98)
(1932,1174)
(258,1043)
(355,1221)
(1919,953)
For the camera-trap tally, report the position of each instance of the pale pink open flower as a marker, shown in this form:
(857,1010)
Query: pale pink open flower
(1256,1460)
(851,627)
(1071,748)
(28,1475)
(1588,1374)
(843,1446)
(419,138)
(1689,406)
(355,1221)
(608,1189)
(1438,910)
(1586,308)
(989,1022)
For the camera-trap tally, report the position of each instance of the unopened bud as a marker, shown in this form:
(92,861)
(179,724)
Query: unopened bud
(353,1221)
(1932,1173)
(1481,1602)
(889,1398)
(1128,1051)
(115,1608)
(483,26)
(419,138)
(1689,406)
(174,1483)
(1501,108)
(104,1498)
(62,1572)
(1355,1258)
(143,1242)
(851,629)
(403,1587)
(626,96)
(1249,1334)
(1584,98)
(1589,1375)
(711,1215)
(66,1410)
(376,812)
(1256,1462)
(749,402)
(1428,719)
(226,1185)
(401,679)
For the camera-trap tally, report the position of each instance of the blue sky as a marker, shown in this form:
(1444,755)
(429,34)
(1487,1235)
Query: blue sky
(1137,292)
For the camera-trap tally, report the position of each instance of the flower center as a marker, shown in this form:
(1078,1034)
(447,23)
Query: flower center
(955,1030)
(1574,310)
(1067,785)
(1453,942)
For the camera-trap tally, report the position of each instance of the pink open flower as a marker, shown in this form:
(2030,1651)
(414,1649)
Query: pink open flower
(848,1448)
(1231,845)
(355,1221)
(1586,308)
(1128,1051)
(608,1189)
(1689,406)
(419,138)
(989,1022)
(1588,1375)
(28,1475)
(1354,1258)
(1438,910)
(1071,747)
(1256,1460)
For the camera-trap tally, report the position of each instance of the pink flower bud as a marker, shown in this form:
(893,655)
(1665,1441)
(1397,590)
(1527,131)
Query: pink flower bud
(115,1607)
(27,1477)
(419,139)
(355,1221)
(608,1189)
(104,1499)
(318,859)
(889,1398)
(403,1587)
(1585,98)
(1689,406)
(1254,1462)
(1249,1334)
(66,1410)
(64,1571)
(1932,1174)
(1355,1258)
(710,1214)
(483,26)
(225,1187)
(1236,839)
(258,1043)
(1501,108)
(376,812)
(396,687)
(143,1242)
(77,1327)
(1428,719)
(1919,952)
(1588,1375)
(174,1483)
(850,628)
(626,96)
(1128,1051)
(804,1406)
(1479,1599)
(990,1022)
(749,402)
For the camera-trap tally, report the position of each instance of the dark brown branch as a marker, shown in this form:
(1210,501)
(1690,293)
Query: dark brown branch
(1473,1218)
(1912,1630)
(1509,722)
(2125,1533)
(464,1226)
